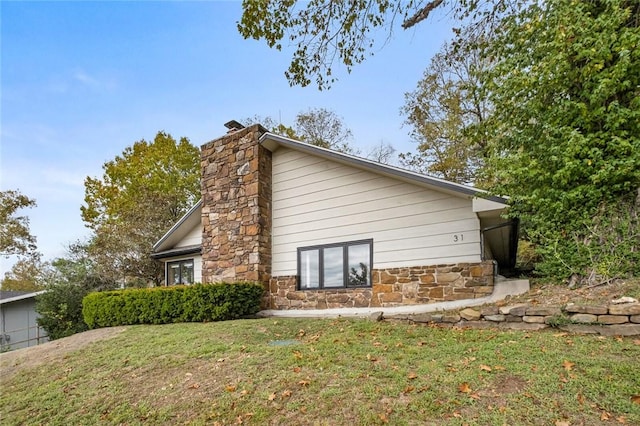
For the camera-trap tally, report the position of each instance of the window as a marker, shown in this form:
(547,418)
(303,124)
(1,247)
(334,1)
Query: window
(180,272)
(337,265)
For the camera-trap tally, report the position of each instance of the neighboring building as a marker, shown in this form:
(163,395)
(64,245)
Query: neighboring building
(322,229)
(18,326)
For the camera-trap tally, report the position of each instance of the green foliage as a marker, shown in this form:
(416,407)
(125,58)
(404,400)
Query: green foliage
(567,131)
(27,274)
(326,32)
(60,309)
(446,112)
(163,305)
(68,281)
(142,193)
(316,126)
(15,238)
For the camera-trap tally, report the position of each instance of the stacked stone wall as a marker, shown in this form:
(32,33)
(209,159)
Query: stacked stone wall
(391,287)
(610,320)
(236,210)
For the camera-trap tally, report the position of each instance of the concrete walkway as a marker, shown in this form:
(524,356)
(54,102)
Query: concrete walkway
(501,290)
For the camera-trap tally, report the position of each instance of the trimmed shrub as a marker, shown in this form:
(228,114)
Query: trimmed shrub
(163,305)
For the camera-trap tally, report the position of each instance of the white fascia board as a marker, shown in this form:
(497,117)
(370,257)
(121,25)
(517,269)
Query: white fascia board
(177,225)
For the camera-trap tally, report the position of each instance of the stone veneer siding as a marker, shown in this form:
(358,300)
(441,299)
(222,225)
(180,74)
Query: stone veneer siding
(236,209)
(391,287)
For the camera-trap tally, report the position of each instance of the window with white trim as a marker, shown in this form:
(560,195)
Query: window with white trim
(339,265)
(180,272)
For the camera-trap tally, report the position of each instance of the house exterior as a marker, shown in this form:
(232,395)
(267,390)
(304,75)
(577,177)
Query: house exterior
(322,229)
(18,326)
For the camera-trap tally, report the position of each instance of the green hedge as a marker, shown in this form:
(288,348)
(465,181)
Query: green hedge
(163,305)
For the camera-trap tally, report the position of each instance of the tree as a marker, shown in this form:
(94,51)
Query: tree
(345,31)
(324,31)
(15,238)
(73,277)
(447,112)
(316,126)
(324,128)
(382,153)
(142,193)
(566,127)
(27,274)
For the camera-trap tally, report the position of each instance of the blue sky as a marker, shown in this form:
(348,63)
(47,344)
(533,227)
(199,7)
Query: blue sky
(81,81)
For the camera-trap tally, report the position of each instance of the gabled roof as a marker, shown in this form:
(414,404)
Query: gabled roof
(178,231)
(272,142)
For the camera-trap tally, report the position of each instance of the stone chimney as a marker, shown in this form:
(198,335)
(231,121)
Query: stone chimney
(236,208)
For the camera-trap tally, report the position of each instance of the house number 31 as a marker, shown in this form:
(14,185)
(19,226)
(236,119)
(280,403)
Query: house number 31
(458,238)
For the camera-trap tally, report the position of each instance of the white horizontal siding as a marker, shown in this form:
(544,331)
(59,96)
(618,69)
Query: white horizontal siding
(193,238)
(318,201)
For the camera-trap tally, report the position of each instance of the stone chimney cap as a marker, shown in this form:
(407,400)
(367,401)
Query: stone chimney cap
(233,125)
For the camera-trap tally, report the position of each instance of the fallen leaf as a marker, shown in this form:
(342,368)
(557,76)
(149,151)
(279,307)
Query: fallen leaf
(304,382)
(286,393)
(485,368)
(636,342)
(499,368)
(244,392)
(580,399)
(561,423)
(464,387)
(371,358)
(230,388)
(412,375)
(604,416)
(408,389)
(622,420)
(635,399)
(474,396)
(297,354)
(272,396)
(568,365)
(296,369)
(421,343)
(301,333)
(194,386)
(383,417)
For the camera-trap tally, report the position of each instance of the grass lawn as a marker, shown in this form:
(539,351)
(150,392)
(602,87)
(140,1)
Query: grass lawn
(333,372)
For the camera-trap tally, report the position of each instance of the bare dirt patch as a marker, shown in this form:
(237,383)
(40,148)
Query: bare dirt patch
(51,351)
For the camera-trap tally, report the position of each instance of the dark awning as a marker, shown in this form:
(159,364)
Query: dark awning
(178,251)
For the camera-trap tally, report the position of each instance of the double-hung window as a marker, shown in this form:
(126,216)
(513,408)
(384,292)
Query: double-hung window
(180,272)
(337,265)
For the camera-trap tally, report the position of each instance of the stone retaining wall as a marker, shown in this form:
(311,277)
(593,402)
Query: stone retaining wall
(612,320)
(391,287)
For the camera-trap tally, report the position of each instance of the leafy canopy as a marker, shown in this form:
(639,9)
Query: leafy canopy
(15,238)
(326,31)
(446,112)
(566,131)
(140,195)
